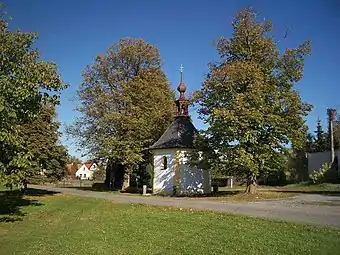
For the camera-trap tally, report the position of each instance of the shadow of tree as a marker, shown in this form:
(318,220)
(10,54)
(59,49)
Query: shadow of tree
(11,203)
(217,194)
(130,190)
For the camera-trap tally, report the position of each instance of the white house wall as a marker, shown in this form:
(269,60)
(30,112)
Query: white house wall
(163,180)
(93,167)
(84,173)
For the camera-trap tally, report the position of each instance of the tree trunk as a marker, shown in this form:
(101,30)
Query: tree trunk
(251,184)
(126,183)
(24,188)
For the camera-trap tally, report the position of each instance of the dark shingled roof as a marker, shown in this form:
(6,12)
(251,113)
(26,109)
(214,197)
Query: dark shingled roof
(180,134)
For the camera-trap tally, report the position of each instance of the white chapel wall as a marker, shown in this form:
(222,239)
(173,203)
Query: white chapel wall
(193,180)
(163,180)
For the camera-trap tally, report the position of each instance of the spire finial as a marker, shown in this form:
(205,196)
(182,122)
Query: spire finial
(181,87)
(181,70)
(182,104)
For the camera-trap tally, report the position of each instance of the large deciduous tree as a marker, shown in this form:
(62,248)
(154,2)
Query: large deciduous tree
(41,139)
(126,103)
(25,82)
(249,101)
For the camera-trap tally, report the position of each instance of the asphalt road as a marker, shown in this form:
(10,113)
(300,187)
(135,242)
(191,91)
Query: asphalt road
(307,208)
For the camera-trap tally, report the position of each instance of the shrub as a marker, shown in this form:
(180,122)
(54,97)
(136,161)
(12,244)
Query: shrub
(319,175)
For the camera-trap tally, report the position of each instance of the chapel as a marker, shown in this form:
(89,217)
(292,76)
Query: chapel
(172,173)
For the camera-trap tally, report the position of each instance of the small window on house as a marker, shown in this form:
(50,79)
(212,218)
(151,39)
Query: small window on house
(80,175)
(84,175)
(164,162)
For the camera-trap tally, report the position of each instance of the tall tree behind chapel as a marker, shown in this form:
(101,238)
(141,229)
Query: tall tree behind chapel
(249,101)
(126,104)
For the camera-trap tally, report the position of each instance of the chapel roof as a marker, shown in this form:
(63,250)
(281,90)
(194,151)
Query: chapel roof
(180,134)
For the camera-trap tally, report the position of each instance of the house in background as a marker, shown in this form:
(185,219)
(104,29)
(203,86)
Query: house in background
(85,172)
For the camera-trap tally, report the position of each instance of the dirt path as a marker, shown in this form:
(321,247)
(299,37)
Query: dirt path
(307,208)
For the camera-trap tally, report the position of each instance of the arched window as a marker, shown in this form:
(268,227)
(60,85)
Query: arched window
(164,162)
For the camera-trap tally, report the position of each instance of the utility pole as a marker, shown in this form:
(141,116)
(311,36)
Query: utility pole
(331,117)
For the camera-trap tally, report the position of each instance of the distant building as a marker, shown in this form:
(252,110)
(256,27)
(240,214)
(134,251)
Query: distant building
(85,172)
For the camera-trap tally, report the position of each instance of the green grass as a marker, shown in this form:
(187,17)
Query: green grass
(298,187)
(61,224)
(240,196)
(315,187)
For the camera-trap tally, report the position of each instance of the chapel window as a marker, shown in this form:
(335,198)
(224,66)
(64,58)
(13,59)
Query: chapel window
(164,162)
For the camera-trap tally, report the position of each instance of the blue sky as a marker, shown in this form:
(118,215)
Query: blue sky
(72,33)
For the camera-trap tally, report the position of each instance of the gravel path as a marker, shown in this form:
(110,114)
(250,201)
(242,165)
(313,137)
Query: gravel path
(307,208)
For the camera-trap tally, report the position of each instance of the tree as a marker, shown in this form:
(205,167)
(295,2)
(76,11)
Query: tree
(99,174)
(41,138)
(249,102)
(321,139)
(25,82)
(73,160)
(126,104)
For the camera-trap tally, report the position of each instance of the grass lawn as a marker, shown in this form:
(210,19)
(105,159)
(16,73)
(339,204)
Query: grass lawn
(240,196)
(324,188)
(61,224)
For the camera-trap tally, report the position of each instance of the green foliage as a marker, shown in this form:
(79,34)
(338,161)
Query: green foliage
(73,160)
(321,141)
(25,82)
(126,103)
(41,138)
(99,174)
(319,175)
(249,102)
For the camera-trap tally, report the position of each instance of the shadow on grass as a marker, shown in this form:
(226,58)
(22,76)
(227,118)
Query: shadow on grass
(100,187)
(228,193)
(11,203)
(231,193)
(117,191)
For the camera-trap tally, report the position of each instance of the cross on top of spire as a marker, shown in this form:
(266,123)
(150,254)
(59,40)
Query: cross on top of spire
(182,103)
(181,87)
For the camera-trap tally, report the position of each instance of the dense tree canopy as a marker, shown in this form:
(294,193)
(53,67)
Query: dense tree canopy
(249,102)
(41,139)
(25,82)
(126,103)
(73,160)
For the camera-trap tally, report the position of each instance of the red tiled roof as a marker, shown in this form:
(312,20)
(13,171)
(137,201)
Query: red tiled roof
(88,165)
